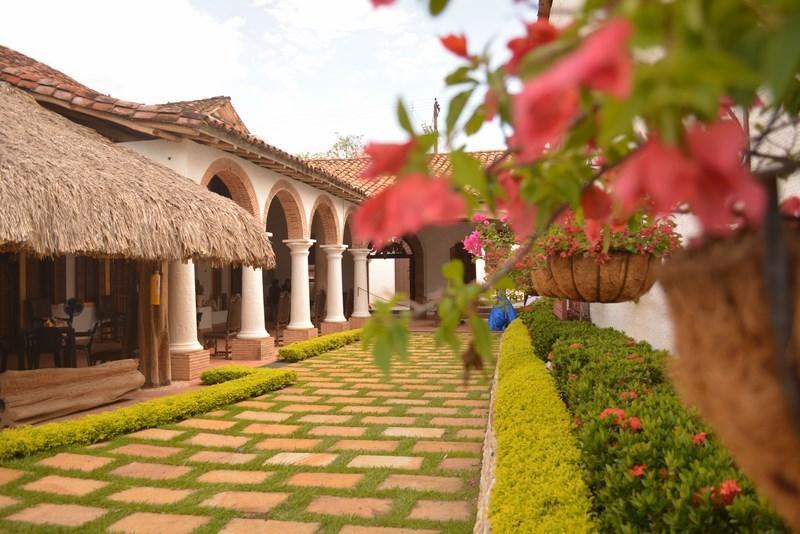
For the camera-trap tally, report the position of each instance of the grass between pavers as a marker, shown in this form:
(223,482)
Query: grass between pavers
(348,363)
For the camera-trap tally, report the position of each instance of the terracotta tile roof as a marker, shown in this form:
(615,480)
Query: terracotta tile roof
(350,169)
(213,120)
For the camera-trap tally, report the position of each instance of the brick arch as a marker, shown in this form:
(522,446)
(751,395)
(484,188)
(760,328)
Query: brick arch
(236,180)
(348,219)
(292,206)
(330,223)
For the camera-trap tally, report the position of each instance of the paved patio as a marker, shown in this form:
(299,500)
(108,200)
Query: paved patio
(346,450)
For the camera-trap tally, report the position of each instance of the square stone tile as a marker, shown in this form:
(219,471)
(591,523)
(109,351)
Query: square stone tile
(66,515)
(432,410)
(150,523)
(354,529)
(379,445)
(5,501)
(460,464)
(387,420)
(147,451)
(206,439)
(326,480)
(366,409)
(298,398)
(271,417)
(447,446)
(75,462)
(357,506)
(288,444)
(459,421)
(160,434)
(334,391)
(386,462)
(389,394)
(9,475)
(467,403)
(207,424)
(338,431)
(269,526)
(408,402)
(255,404)
(151,471)
(413,432)
(222,457)
(252,502)
(471,433)
(422,483)
(442,510)
(218,413)
(351,400)
(445,395)
(234,476)
(148,495)
(277,429)
(308,408)
(315,459)
(325,419)
(74,487)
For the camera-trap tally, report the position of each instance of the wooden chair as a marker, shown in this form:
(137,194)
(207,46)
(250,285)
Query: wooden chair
(84,341)
(232,327)
(282,321)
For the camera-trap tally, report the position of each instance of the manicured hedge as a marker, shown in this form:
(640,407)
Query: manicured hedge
(538,484)
(649,461)
(224,373)
(26,440)
(303,350)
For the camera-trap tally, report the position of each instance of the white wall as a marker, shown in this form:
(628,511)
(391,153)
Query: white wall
(436,243)
(381,279)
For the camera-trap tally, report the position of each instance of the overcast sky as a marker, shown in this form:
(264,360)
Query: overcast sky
(298,71)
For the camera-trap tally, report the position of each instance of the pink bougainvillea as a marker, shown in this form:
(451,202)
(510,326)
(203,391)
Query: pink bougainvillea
(386,158)
(472,243)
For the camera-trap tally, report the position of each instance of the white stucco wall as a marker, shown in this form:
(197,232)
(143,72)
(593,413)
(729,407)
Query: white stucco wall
(436,242)
(381,279)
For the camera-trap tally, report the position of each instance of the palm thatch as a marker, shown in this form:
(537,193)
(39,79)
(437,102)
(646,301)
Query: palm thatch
(64,189)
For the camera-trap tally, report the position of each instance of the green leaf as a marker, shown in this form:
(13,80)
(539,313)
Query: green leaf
(782,57)
(437,6)
(403,118)
(453,272)
(468,172)
(481,336)
(456,107)
(459,76)
(476,121)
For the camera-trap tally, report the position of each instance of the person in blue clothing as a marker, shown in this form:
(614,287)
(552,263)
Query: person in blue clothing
(502,313)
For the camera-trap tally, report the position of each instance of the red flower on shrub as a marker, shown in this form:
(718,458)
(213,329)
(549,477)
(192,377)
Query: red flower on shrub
(577,422)
(575,346)
(572,377)
(699,438)
(628,395)
(638,470)
(457,44)
(386,158)
(726,493)
(634,358)
(634,424)
(618,413)
(536,34)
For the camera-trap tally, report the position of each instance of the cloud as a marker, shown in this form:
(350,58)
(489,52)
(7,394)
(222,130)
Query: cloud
(148,51)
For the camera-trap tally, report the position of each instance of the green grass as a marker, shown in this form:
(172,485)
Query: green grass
(424,358)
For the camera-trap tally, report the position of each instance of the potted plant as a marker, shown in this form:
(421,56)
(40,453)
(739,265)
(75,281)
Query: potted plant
(614,263)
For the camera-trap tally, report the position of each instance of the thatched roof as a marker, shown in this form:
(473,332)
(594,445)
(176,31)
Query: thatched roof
(64,189)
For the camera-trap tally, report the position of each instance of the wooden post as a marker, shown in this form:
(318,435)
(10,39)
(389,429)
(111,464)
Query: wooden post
(106,276)
(153,333)
(23,287)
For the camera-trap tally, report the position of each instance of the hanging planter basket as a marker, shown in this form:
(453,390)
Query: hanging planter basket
(623,277)
(727,363)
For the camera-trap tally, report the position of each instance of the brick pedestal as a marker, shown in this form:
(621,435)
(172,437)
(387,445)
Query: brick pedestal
(253,349)
(301,334)
(330,327)
(189,365)
(358,322)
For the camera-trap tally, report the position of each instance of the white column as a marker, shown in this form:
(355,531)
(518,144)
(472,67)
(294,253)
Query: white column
(252,305)
(333,291)
(300,316)
(360,295)
(182,309)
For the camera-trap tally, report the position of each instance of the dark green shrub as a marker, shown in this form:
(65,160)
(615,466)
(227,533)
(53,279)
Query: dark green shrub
(538,484)
(27,440)
(649,461)
(303,350)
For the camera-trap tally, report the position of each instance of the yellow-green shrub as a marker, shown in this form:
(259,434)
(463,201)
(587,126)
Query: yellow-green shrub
(224,373)
(26,440)
(539,483)
(303,350)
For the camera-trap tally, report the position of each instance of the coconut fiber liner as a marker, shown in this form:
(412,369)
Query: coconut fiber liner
(726,358)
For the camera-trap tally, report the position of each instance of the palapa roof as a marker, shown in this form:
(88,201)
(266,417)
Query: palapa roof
(65,189)
(350,169)
(210,121)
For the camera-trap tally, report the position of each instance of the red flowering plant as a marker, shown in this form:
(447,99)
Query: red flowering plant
(494,242)
(654,99)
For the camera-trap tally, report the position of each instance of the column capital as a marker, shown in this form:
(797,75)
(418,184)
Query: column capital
(359,253)
(299,245)
(332,250)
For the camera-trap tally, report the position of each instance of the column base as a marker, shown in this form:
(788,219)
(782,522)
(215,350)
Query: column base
(358,322)
(189,365)
(299,334)
(253,349)
(331,327)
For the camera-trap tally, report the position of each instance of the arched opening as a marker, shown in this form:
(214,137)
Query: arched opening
(348,268)
(458,252)
(398,268)
(284,221)
(324,231)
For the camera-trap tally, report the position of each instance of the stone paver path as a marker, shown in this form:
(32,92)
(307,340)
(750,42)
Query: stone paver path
(346,450)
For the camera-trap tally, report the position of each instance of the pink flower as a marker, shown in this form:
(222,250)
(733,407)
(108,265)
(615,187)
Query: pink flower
(520,214)
(457,44)
(386,158)
(379,3)
(479,218)
(472,243)
(542,113)
(791,206)
(596,203)
(407,206)
(536,34)
(699,438)
(638,470)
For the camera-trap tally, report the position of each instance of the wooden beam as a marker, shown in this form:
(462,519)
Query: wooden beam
(23,283)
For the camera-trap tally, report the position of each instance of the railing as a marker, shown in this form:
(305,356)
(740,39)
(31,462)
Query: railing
(402,304)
